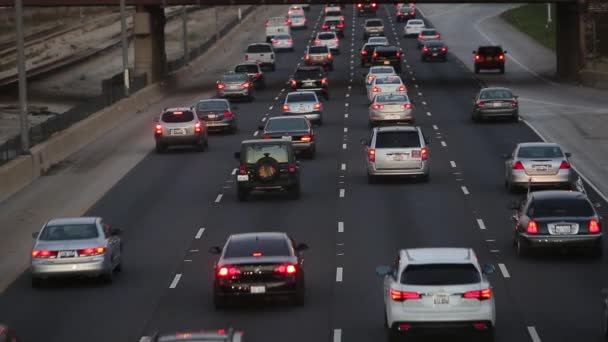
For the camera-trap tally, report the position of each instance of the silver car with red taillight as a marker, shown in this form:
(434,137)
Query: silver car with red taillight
(235,85)
(385,84)
(495,102)
(79,246)
(305,103)
(397,151)
(390,108)
(217,115)
(180,126)
(282,41)
(538,164)
(438,289)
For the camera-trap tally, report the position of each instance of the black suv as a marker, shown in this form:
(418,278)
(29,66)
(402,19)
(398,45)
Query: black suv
(367,52)
(490,57)
(366,8)
(405,13)
(387,55)
(312,78)
(267,165)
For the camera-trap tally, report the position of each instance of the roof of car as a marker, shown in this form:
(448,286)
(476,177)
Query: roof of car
(265,142)
(558,194)
(265,44)
(177,109)
(397,128)
(306,68)
(538,144)
(72,220)
(259,235)
(438,255)
(387,47)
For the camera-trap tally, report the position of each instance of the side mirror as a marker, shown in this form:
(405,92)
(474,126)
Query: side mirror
(302,247)
(383,271)
(488,268)
(474,51)
(568,154)
(35,235)
(116,232)
(514,205)
(505,52)
(364,142)
(215,250)
(237,155)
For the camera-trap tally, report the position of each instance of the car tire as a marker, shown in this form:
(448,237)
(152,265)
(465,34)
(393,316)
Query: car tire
(502,70)
(476,117)
(273,67)
(515,118)
(392,335)
(119,266)
(242,195)
(331,67)
(234,129)
(488,336)
(160,147)
(422,59)
(201,146)
(521,247)
(310,154)
(299,298)
(320,122)
(510,187)
(37,282)
(426,177)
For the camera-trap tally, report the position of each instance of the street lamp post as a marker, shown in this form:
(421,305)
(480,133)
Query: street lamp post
(25,138)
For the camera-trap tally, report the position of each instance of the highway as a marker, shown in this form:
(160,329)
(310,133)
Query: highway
(174,206)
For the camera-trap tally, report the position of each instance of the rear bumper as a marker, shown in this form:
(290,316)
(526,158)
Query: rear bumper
(316,90)
(497,112)
(282,46)
(440,55)
(489,65)
(179,140)
(234,93)
(219,125)
(520,178)
(390,117)
(303,146)
(457,319)
(373,171)
(287,287)
(92,268)
(277,185)
(548,241)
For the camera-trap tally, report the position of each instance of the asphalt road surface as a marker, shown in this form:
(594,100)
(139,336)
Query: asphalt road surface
(174,206)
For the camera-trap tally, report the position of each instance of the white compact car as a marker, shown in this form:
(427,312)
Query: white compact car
(277,25)
(438,288)
(282,42)
(413,27)
(378,71)
(385,84)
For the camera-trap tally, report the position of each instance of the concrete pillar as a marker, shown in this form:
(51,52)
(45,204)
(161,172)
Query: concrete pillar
(570,48)
(149,42)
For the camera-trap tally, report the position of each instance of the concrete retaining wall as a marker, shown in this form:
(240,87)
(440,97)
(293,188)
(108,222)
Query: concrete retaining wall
(595,79)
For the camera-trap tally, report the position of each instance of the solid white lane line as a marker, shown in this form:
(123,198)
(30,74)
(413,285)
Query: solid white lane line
(339,272)
(343,167)
(234,171)
(443,143)
(337,335)
(464,189)
(452,163)
(340,227)
(255,134)
(175,281)
(435,127)
(533,334)
(219,198)
(342,193)
(344,146)
(199,233)
(503,270)
(481,225)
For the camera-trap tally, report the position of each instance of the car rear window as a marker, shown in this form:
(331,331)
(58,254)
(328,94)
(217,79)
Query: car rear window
(558,207)
(282,36)
(177,116)
(374,23)
(429,32)
(242,248)
(496,94)
(435,44)
(284,125)
(386,52)
(69,232)
(302,97)
(326,36)
(212,105)
(333,13)
(490,50)
(318,49)
(258,48)
(397,139)
(388,80)
(371,47)
(382,70)
(277,151)
(240,77)
(308,74)
(248,68)
(440,275)
(415,22)
(391,98)
(540,152)
(332,22)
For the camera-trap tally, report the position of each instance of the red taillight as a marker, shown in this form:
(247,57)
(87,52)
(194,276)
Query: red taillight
(292,168)
(424,153)
(402,88)
(92,251)
(420,36)
(514,103)
(375,54)
(406,106)
(158,129)
(266,24)
(221,86)
(371,155)
(307,57)
(294,83)
(359,5)
(246,57)
(242,170)
(370,78)
(480,104)
(246,85)
(324,81)
(374,4)
(329,56)
(325,27)
(518,165)
(340,25)
(438,36)
(197,127)
(286,108)
(342,19)
(478,294)
(412,13)
(444,49)
(477,57)
(564,165)
(267,137)
(318,41)
(532,227)
(228,271)
(306,138)
(364,52)
(317,106)
(425,49)
(378,106)
(227,113)
(376,90)
(501,57)
(286,269)
(400,296)
(398,54)
(257,254)
(290,41)
(44,254)
(274,41)
(594,227)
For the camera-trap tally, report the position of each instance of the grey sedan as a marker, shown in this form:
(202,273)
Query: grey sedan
(495,102)
(235,85)
(304,103)
(296,129)
(538,164)
(217,114)
(76,246)
(390,108)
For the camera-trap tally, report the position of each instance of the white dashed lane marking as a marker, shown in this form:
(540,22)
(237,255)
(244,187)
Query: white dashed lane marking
(343,167)
(464,189)
(175,281)
(428,113)
(270,108)
(443,143)
(344,146)
(342,193)
(481,225)
(219,198)
(199,233)
(234,171)
(533,334)
(263,119)
(452,163)
(255,134)
(435,127)
(337,335)
(340,227)
(504,271)
(339,272)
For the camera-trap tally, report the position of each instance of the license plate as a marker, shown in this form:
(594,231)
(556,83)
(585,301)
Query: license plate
(392,117)
(212,116)
(540,167)
(317,58)
(488,58)
(242,178)
(387,62)
(333,27)
(178,131)
(497,104)
(397,157)
(286,137)
(435,54)
(234,86)
(563,229)
(66,254)
(257,289)
(441,299)
(309,84)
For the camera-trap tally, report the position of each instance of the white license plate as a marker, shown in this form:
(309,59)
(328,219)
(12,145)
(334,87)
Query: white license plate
(257,289)
(392,117)
(540,167)
(397,157)
(286,137)
(387,62)
(435,54)
(242,178)
(66,254)
(333,27)
(317,58)
(309,84)
(497,104)
(178,131)
(233,87)
(212,116)
(441,299)
(563,229)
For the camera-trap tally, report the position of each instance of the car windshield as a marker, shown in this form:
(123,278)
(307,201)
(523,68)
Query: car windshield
(440,275)
(540,152)
(240,77)
(177,116)
(212,105)
(489,50)
(302,97)
(69,232)
(391,98)
(243,248)
(495,94)
(558,207)
(308,74)
(374,23)
(318,49)
(284,125)
(388,80)
(247,68)
(258,48)
(397,139)
(326,36)
(278,152)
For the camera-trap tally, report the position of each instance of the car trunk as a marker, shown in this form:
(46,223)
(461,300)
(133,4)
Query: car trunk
(563,225)
(68,250)
(301,107)
(538,166)
(439,299)
(177,128)
(211,115)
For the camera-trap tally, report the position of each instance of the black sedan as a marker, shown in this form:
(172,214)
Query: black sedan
(557,218)
(254,265)
(434,49)
(296,129)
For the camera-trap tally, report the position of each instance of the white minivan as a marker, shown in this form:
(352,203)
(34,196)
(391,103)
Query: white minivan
(277,25)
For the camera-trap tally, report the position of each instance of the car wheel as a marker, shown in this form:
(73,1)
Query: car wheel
(331,67)
(597,251)
(201,146)
(393,336)
(160,147)
(426,177)
(476,117)
(250,98)
(37,282)
(502,70)
(422,59)
(242,194)
(300,296)
(233,129)
(515,118)
(488,336)
(522,248)
(273,67)
(510,187)
(320,121)
(310,154)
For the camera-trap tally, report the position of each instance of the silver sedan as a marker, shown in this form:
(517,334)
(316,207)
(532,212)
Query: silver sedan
(76,246)
(305,103)
(282,42)
(538,164)
(385,84)
(390,108)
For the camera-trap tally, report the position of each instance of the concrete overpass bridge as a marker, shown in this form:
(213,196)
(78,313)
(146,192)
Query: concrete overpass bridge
(149,25)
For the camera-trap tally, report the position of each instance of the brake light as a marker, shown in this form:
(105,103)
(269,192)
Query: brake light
(371,155)
(412,13)
(44,254)
(406,106)
(306,138)
(400,296)
(398,54)
(402,88)
(425,49)
(359,5)
(318,41)
(227,113)
(221,86)
(242,170)
(288,22)
(378,106)
(374,4)
(246,57)
(375,54)
(501,57)
(92,251)
(364,52)
(324,81)
(325,27)
(518,166)
(197,127)
(290,41)
(292,168)
(478,294)
(477,57)
(266,24)
(420,36)
(267,137)
(274,41)
(424,153)
(514,103)
(294,83)
(342,19)
(340,25)
(594,227)
(317,105)
(246,85)
(286,269)
(480,104)
(437,36)
(228,271)
(330,56)
(444,49)
(564,165)
(370,78)
(158,130)
(257,254)
(532,227)
(307,57)
(286,108)
(376,90)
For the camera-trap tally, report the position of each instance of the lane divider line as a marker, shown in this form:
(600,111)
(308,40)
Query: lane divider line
(340,227)
(219,198)
(199,233)
(481,224)
(337,335)
(255,134)
(505,273)
(263,119)
(345,129)
(343,167)
(435,127)
(339,272)
(234,171)
(344,146)
(342,193)
(175,281)
(452,163)
(428,113)
(465,190)
(533,334)
(443,143)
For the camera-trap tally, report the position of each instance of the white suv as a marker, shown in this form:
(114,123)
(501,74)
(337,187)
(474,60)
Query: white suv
(438,288)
